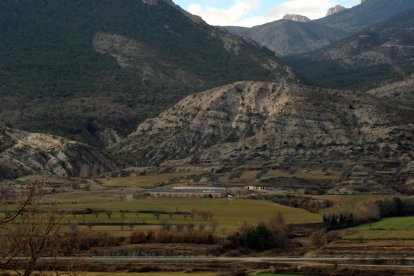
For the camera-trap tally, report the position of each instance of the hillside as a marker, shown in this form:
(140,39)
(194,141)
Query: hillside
(401,90)
(280,123)
(287,37)
(381,52)
(23,153)
(92,70)
(291,38)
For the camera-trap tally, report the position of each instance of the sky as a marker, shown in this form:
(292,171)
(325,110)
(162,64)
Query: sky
(248,13)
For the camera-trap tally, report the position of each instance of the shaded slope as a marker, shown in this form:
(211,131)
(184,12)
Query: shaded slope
(79,68)
(286,37)
(381,52)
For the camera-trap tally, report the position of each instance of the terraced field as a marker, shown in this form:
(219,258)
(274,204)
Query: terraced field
(145,181)
(386,229)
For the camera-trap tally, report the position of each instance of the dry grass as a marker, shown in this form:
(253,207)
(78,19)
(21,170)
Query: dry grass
(145,181)
(347,203)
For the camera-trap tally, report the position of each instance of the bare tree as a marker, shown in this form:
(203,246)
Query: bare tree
(214,225)
(109,215)
(27,233)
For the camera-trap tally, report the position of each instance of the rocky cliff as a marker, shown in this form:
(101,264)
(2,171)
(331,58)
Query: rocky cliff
(296,17)
(334,10)
(23,153)
(259,121)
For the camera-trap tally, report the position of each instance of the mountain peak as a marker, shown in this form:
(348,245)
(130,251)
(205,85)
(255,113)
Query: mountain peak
(296,17)
(336,9)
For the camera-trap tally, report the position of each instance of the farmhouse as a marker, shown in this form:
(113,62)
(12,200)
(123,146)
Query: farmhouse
(189,192)
(255,188)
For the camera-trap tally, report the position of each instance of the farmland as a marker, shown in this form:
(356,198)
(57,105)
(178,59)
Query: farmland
(348,203)
(121,217)
(386,229)
(187,178)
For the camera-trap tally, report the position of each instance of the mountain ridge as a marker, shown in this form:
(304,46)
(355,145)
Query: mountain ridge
(379,53)
(286,39)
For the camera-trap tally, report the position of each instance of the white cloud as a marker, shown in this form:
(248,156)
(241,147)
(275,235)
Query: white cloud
(239,10)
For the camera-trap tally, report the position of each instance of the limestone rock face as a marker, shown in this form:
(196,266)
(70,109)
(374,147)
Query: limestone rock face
(335,9)
(261,121)
(296,17)
(23,153)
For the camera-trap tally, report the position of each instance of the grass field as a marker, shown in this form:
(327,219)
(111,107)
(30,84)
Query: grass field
(229,213)
(389,228)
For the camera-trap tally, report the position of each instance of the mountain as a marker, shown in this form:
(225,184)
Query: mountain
(334,10)
(367,13)
(381,52)
(287,38)
(23,153)
(92,70)
(296,17)
(281,123)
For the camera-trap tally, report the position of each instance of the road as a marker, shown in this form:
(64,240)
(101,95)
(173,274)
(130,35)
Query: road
(232,259)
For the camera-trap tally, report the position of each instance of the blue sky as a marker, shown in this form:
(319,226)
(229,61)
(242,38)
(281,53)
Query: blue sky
(255,12)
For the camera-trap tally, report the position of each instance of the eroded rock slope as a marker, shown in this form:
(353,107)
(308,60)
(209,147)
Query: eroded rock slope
(262,121)
(23,153)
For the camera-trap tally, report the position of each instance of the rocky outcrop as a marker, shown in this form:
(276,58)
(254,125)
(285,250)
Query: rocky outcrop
(336,9)
(260,121)
(23,153)
(296,17)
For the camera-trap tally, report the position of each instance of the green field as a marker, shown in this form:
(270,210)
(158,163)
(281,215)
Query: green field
(228,212)
(389,228)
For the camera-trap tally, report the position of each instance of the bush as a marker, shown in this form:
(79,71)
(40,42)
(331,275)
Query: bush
(261,237)
(137,237)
